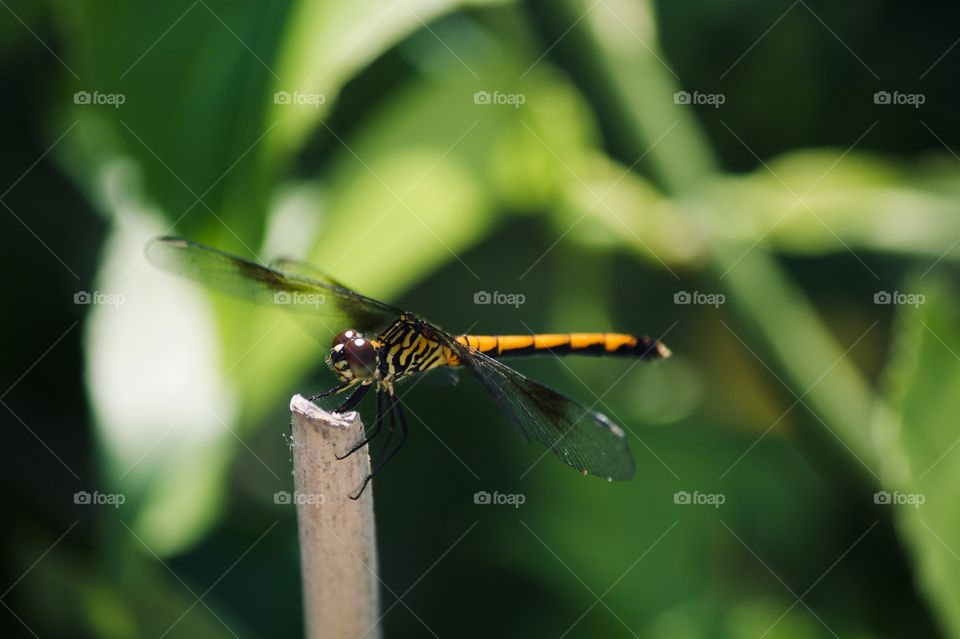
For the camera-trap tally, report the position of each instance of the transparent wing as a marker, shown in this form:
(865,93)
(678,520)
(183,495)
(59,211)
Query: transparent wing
(582,438)
(304,269)
(324,305)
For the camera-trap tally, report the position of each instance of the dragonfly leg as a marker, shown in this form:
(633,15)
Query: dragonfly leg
(393,406)
(391,428)
(377,424)
(353,400)
(336,390)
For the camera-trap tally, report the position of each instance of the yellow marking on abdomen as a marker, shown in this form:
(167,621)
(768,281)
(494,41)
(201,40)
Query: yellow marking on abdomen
(550,340)
(597,343)
(506,343)
(614,341)
(482,343)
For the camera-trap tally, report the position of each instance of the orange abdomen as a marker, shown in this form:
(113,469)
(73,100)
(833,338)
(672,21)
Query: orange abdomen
(599,344)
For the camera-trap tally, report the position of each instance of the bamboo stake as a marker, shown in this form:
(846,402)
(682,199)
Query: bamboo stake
(338,553)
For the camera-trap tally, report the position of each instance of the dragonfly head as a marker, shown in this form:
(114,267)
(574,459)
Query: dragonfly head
(352,356)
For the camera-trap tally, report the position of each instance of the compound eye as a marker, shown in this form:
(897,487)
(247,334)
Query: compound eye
(361,356)
(345,336)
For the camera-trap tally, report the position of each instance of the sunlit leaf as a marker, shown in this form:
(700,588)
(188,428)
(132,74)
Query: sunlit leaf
(924,383)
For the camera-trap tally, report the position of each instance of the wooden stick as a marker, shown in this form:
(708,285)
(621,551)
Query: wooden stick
(338,553)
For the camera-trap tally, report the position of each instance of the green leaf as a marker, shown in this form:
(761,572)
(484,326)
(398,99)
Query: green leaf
(822,201)
(194,80)
(922,442)
(326,43)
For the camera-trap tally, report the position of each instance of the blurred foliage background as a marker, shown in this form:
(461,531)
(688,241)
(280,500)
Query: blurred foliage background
(404,164)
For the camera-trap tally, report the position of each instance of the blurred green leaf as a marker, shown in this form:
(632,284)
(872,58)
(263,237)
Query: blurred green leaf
(607,204)
(922,441)
(145,600)
(326,43)
(195,79)
(823,201)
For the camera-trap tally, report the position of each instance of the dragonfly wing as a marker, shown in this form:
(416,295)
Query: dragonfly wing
(318,301)
(582,438)
(304,269)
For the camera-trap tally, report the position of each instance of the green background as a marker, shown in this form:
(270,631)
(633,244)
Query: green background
(599,199)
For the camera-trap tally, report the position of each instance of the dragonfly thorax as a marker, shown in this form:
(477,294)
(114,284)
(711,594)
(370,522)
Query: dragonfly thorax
(352,357)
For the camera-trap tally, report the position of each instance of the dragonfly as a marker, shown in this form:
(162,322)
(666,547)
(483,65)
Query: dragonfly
(376,346)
